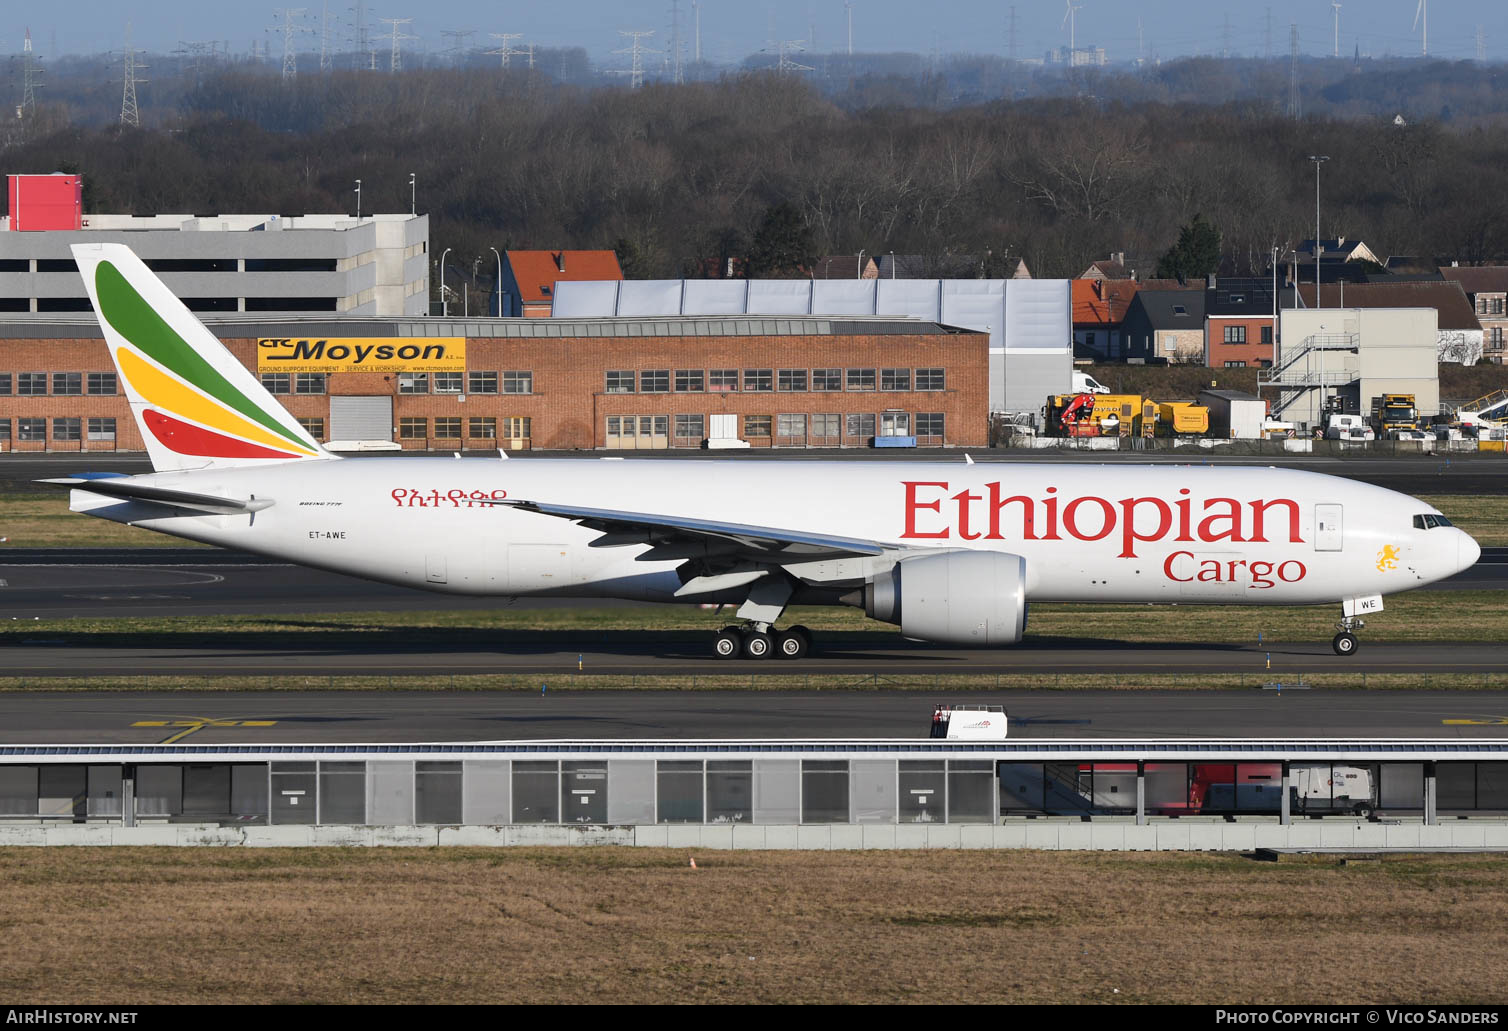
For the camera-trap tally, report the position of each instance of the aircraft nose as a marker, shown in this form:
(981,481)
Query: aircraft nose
(1467,552)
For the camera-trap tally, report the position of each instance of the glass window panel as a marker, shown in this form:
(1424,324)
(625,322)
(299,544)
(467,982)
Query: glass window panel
(584,788)
(824,791)
(413,382)
(620,381)
(678,788)
(1259,787)
(437,792)
(309,383)
(827,379)
(792,380)
(536,792)
(486,382)
(67,383)
(730,791)
(1401,786)
(1213,787)
(759,379)
(654,381)
(1167,787)
(343,792)
(18,790)
(722,380)
(971,791)
(1456,786)
(1492,785)
(159,790)
(923,791)
(1115,787)
(518,382)
(277,382)
(689,381)
(1067,787)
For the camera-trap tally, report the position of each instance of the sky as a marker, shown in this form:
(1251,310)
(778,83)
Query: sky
(732,29)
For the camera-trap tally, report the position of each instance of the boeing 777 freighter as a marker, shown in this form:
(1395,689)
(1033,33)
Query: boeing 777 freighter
(951,552)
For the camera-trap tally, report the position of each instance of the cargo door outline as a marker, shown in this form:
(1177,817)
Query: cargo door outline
(1329,527)
(434,568)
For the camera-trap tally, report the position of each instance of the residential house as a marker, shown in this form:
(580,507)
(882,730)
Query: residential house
(1099,306)
(1458,334)
(529,277)
(1487,289)
(1165,326)
(1118,266)
(1238,316)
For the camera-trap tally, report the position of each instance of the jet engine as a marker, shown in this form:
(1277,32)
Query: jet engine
(975,598)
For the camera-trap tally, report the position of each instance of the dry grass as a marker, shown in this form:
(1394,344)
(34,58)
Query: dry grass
(635,925)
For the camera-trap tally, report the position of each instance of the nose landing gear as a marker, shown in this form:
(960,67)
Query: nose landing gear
(1345,642)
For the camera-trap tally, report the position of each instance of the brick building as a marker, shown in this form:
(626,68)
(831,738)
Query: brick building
(559,384)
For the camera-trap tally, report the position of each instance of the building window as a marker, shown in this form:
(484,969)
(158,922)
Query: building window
(931,379)
(31,429)
(722,380)
(481,383)
(1235,365)
(277,382)
(791,427)
(689,381)
(654,381)
(413,383)
(518,382)
(101,383)
(4,383)
(31,384)
(791,380)
(1235,334)
(860,379)
(826,429)
(448,427)
(412,429)
(313,425)
(689,431)
(895,379)
(758,380)
(67,429)
(5,431)
(309,383)
(827,379)
(448,382)
(930,425)
(517,427)
(482,428)
(1267,335)
(620,381)
(1495,339)
(67,383)
(101,429)
(1496,306)
(756,426)
(861,425)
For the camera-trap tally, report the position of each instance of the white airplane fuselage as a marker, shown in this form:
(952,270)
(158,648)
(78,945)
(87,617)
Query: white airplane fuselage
(1087,533)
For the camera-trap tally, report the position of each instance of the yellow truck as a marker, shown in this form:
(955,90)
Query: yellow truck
(1182,418)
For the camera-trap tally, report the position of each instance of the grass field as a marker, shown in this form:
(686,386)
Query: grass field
(385,926)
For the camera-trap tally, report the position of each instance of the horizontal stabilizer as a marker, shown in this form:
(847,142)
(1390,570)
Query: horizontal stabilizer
(124,489)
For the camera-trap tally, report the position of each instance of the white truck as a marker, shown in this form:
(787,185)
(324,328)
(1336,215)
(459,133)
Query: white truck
(1330,788)
(1348,427)
(1083,383)
(969,722)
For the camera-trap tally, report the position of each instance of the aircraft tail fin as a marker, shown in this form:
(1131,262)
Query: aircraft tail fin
(196,405)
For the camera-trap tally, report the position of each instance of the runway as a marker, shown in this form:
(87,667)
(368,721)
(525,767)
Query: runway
(402,716)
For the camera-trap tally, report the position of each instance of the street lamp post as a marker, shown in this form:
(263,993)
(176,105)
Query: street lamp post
(1318,160)
(499,287)
(358,200)
(413,196)
(444,303)
(858,272)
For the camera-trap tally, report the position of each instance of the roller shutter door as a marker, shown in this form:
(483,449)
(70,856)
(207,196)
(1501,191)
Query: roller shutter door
(361,418)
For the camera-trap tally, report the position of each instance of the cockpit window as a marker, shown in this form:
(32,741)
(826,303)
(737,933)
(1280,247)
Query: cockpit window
(1430,521)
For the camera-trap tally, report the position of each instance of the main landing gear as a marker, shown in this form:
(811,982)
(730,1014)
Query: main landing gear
(760,641)
(1345,642)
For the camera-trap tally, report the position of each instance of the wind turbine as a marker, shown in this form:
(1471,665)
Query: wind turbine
(1421,13)
(1070,19)
(1336,8)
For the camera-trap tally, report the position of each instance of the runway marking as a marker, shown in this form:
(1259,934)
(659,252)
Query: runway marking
(197,723)
(1489,721)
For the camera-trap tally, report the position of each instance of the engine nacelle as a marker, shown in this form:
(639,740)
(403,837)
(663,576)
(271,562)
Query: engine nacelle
(975,598)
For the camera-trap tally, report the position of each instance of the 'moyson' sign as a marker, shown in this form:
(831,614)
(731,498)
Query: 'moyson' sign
(361,354)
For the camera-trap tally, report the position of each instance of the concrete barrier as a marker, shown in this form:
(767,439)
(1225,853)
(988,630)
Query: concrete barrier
(1044,835)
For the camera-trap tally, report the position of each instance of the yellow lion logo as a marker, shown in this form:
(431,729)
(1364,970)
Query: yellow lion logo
(1387,558)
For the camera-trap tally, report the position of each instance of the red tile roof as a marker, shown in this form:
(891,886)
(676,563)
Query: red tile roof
(1101,302)
(538,271)
(1455,311)
(1485,279)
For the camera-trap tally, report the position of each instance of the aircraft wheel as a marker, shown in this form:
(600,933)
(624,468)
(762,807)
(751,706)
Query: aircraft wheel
(728,643)
(804,633)
(789,644)
(1345,643)
(757,645)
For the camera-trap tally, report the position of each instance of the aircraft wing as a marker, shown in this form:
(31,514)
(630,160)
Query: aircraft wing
(681,537)
(125,490)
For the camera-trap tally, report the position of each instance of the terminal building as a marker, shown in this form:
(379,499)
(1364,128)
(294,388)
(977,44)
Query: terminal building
(520,383)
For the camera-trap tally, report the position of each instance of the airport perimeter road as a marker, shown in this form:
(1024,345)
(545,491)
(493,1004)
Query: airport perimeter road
(680,653)
(402,716)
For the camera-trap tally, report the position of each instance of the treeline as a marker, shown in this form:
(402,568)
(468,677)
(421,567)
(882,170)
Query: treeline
(685,176)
